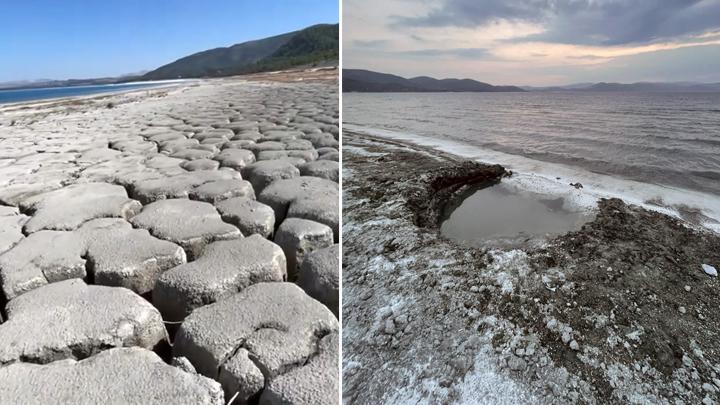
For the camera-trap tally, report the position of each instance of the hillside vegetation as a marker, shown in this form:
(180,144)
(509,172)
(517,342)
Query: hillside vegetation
(310,46)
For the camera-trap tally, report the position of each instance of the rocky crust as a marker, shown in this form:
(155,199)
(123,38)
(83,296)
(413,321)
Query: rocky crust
(224,268)
(144,377)
(118,210)
(54,322)
(319,278)
(107,250)
(310,383)
(277,332)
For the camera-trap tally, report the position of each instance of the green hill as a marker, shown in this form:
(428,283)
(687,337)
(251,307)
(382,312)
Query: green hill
(358,80)
(312,45)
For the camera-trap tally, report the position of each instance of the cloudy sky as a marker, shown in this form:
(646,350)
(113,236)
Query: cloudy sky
(536,42)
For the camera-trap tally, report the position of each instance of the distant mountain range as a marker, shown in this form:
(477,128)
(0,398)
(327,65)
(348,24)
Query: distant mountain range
(312,45)
(42,83)
(357,80)
(647,87)
(316,45)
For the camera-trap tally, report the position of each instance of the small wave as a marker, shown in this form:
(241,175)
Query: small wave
(712,142)
(706,174)
(702,141)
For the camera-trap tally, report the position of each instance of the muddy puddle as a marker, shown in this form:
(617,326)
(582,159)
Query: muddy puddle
(501,217)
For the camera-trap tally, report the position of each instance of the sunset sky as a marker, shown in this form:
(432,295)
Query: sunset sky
(536,42)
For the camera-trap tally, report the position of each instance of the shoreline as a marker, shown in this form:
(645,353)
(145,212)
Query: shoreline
(165,84)
(79,86)
(313,75)
(620,310)
(553,180)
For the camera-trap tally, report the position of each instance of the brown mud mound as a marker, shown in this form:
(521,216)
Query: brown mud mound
(630,289)
(435,189)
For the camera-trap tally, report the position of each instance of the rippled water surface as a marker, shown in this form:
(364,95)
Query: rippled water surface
(667,139)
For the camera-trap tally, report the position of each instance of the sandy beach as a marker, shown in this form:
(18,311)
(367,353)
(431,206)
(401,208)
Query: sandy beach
(621,310)
(182,236)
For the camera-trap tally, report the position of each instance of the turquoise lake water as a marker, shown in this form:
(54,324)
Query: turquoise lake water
(18,95)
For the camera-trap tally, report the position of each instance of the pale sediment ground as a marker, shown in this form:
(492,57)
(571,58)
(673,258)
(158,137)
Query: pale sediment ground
(172,245)
(619,311)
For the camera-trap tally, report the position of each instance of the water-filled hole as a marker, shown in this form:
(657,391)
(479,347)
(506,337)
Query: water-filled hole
(502,217)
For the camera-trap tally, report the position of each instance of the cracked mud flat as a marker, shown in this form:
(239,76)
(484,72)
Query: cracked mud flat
(172,245)
(619,311)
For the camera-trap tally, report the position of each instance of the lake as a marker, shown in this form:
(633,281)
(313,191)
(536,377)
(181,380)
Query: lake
(18,95)
(664,139)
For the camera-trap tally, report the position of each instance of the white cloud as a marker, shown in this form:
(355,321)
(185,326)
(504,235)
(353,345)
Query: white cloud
(510,50)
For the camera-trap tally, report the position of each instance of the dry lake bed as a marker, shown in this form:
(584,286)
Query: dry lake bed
(172,245)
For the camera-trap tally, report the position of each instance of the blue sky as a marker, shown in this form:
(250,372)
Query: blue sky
(81,39)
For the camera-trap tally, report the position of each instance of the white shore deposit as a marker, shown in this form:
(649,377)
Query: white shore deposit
(121,211)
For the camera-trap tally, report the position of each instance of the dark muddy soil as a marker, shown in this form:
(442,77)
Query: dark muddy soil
(643,271)
(442,184)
